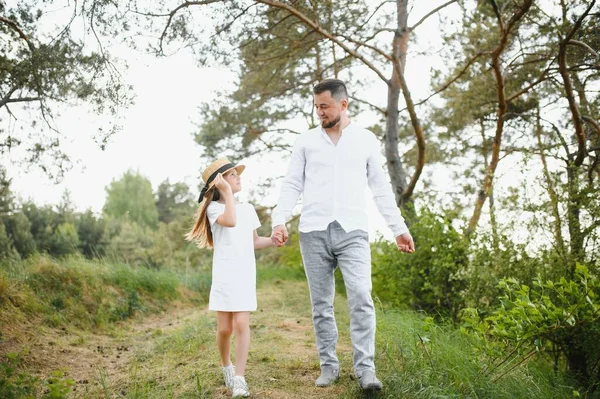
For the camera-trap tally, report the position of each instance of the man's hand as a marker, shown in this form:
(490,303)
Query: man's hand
(405,243)
(279,235)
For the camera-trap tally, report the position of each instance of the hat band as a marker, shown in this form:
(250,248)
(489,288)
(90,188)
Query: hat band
(212,177)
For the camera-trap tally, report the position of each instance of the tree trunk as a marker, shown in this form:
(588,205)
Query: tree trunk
(560,242)
(398,174)
(573,216)
(402,184)
(505,31)
(485,149)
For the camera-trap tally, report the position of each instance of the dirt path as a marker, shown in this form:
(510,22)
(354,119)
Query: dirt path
(173,355)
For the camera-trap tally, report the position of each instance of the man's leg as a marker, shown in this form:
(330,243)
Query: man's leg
(354,256)
(319,265)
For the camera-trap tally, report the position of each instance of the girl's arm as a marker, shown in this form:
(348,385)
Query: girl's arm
(261,242)
(227,219)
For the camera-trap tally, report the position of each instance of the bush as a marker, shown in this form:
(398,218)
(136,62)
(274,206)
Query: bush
(561,316)
(487,266)
(432,278)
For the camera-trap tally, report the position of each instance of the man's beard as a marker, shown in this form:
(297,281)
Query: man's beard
(329,125)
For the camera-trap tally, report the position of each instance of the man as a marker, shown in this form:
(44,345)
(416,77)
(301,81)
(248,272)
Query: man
(331,166)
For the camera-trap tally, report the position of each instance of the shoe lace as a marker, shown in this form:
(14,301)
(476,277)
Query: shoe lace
(239,384)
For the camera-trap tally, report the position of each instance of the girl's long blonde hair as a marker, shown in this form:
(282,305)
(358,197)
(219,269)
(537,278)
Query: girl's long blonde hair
(201,232)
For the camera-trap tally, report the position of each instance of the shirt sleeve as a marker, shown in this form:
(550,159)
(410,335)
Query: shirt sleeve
(254,220)
(213,212)
(292,186)
(382,191)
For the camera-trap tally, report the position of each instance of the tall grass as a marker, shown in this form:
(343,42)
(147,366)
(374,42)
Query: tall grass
(421,359)
(91,294)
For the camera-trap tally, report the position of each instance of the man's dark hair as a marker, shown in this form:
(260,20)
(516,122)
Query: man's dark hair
(335,86)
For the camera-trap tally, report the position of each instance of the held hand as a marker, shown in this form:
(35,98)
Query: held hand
(405,243)
(222,185)
(279,236)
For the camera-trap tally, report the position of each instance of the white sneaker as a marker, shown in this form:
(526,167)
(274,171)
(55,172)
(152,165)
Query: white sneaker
(228,374)
(240,388)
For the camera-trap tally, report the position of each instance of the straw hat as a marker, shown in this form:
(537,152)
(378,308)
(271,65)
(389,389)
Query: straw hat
(221,165)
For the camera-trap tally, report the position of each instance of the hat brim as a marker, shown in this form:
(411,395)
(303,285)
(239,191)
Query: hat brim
(239,168)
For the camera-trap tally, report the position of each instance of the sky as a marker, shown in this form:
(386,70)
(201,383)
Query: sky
(157,132)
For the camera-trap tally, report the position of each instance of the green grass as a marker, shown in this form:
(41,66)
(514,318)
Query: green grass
(415,357)
(419,359)
(174,355)
(76,292)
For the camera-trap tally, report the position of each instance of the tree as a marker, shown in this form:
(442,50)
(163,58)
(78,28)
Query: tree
(131,198)
(92,234)
(174,201)
(522,43)
(281,50)
(543,112)
(40,69)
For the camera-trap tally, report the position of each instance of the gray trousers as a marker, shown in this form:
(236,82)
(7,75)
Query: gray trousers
(322,252)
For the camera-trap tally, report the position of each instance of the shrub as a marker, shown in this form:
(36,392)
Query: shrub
(432,278)
(561,316)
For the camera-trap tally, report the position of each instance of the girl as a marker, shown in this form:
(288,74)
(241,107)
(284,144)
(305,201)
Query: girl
(230,229)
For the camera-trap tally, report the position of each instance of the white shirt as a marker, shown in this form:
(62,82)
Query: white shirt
(333,179)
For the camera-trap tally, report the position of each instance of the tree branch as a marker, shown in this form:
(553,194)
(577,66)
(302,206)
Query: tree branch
(174,11)
(369,46)
(585,47)
(448,83)
(323,32)
(429,14)
(17,100)
(373,106)
(488,182)
(539,80)
(498,16)
(19,31)
(592,122)
(568,86)
(373,14)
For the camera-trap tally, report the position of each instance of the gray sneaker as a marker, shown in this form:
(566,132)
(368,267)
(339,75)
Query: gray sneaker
(328,376)
(228,374)
(369,382)
(240,388)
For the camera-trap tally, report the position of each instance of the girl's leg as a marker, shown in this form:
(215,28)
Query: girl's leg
(224,330)
(241,328)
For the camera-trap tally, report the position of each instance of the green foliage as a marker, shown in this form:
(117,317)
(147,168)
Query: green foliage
(561,315)
(18,228)
(424,360)
(67,239)
(488,265)
(131,198)
(42,66)
(58,386)
(53,230)
(92,235)
(7,251)
(130,242)
(432,278)
(16,384)
(174,201)
(91,294)
(171,250)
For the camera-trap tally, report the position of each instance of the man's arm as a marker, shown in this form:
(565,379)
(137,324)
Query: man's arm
(291,188)
(385,200)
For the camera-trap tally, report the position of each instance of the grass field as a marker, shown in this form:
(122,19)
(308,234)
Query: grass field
(149,335)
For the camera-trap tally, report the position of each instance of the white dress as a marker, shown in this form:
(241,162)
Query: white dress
(233,287)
